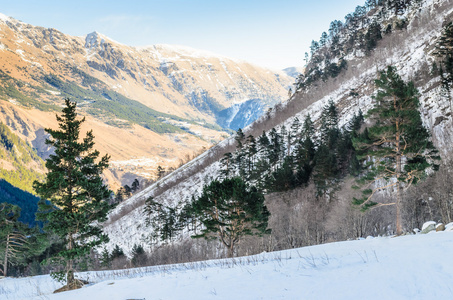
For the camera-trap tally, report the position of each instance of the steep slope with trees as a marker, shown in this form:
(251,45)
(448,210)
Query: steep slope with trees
(314,204)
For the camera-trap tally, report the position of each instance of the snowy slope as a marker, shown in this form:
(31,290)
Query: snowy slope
(410,51)
(408,267)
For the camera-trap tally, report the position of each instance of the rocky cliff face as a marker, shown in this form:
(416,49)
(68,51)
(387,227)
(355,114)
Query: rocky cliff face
(241,114)
(186,93)
(184,81)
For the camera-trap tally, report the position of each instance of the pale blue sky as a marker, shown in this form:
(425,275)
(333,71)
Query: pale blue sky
(273,34)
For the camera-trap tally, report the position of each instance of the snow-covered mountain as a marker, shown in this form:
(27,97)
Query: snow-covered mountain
(405,267)
(188,82)
(293,71)
(180,87)
(241,114)
(409,49)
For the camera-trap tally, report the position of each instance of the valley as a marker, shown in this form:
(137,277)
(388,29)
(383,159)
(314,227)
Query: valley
(226,172)
(166,101)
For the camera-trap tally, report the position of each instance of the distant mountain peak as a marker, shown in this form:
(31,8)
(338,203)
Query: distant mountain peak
(186,52)
(4,17)
(293,71)
(93,40)
(96,39)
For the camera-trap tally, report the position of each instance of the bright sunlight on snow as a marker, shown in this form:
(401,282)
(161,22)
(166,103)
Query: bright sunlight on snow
(408,267)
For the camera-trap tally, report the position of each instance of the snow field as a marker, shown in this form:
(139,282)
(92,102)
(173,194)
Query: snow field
(407,267)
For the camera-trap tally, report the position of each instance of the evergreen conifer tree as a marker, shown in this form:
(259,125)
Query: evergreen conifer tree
(263,145)
(227,165)
(293,135)
(347,160)
(117,252)
(329,125)
(229,210)
(106,258)
(282,179)
(305,152)
(239,154)
(239,138)
(397,148)
(75,188)
(251,151)
(262,166)
(135,185)
(154,218)
(326,169)
(326,157)
(284,137)
(372,36)
(351,132)
(138,256)
(275,148)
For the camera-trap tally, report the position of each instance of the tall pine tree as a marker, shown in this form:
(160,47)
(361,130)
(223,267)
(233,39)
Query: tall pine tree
(75,189)
(396,148)
(239,154)
(326,158)
(305,152)
(251,151)
(262,166)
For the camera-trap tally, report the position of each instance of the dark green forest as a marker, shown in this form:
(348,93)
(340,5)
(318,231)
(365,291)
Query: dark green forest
(26,201)
(16,185)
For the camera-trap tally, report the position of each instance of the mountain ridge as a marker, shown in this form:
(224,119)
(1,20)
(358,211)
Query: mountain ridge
(180,92)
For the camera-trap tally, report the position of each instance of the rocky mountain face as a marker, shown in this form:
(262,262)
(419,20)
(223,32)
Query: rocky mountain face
(293,71)
(186,82)
(240,115)
(147,105)
(410,48)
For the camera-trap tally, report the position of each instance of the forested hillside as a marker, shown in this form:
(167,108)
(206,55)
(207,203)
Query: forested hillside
(20,166)
(305,154)
(362,148)
(25,200)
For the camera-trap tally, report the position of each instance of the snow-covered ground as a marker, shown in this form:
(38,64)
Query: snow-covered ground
(408,267)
